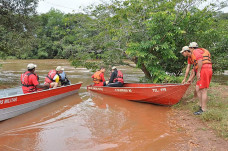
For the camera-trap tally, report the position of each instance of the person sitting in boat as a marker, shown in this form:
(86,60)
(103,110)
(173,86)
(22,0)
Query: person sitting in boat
(53,77)
(116,78)
(30,80)
(98,77)
(63,78)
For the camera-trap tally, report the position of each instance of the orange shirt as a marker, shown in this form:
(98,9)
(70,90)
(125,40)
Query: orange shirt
(189,60)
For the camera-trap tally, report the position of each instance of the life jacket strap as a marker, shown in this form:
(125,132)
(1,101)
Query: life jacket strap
(28,74)
(50,78)
(27,85)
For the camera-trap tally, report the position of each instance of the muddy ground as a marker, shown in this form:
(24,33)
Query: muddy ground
(202,136)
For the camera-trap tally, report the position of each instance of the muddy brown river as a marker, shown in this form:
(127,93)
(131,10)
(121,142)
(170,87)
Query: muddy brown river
(86,121)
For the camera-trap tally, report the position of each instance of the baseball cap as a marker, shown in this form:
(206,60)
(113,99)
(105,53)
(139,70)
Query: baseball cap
(31,66)
(59,68)
(113,67)
(185,48)
(193,45)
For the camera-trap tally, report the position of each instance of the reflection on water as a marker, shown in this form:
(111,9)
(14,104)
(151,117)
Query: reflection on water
(22,132)
(86,121)
(97,122)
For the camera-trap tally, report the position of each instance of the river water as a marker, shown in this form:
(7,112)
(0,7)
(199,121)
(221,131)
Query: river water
(86,121)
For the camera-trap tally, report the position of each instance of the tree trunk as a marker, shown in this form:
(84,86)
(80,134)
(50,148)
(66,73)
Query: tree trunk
(146,72)
(143,68)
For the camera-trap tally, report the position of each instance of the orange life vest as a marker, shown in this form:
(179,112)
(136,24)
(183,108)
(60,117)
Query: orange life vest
(50,76)
(190,59)
(119,77)
(96,77)
(206,58)
(29,87)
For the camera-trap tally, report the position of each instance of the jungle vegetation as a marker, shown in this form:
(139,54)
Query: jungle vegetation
(149,33)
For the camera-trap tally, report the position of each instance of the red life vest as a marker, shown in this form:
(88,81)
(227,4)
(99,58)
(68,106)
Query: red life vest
(119,77)
(96,77)
(50,76)
(27,86)
(206,58)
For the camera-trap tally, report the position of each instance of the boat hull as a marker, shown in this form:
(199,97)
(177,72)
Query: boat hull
(163,94)
(19,104)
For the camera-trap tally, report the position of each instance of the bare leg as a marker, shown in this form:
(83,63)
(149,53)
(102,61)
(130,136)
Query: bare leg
(199,94)
(204,99)
(54,85)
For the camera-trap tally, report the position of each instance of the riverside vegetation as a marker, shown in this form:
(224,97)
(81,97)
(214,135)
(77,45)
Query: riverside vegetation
(149,33)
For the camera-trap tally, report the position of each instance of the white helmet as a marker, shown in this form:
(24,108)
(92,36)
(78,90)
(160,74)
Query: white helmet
(193,45)
(185,48)
(59,68)
(31,66)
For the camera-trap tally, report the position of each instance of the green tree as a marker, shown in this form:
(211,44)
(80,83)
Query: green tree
(151,33)
(16,27)
(64,35)
(219,50)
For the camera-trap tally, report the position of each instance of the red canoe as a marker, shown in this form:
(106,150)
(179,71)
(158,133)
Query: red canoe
(163,94)
(21,103)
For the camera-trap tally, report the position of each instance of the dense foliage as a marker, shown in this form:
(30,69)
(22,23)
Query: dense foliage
(17,27)
(150,33)
(220,48)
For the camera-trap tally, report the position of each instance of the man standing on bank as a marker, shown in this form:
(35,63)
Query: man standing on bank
(30,80)
(201,59)
(187,53)
(185,50)
(116,78)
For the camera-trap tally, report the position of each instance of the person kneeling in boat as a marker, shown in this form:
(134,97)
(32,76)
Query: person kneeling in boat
(30,80)
(98,77)
(116,78)
(63,78)
(53,77)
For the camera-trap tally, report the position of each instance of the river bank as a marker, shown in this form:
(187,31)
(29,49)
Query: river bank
(208,131)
